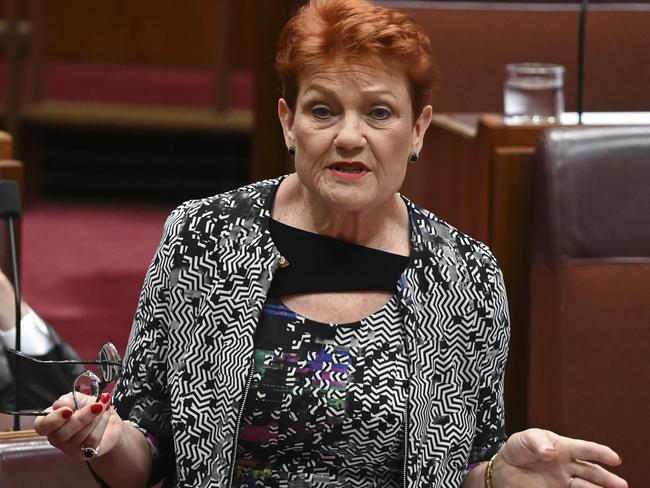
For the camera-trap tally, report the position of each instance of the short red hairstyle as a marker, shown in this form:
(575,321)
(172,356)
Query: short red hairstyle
(355,31)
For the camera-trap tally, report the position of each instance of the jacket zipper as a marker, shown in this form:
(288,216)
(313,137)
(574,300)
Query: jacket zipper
(249,379)
(239,417)
(406,443)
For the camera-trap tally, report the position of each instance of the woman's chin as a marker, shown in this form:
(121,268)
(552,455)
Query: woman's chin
(339,196)
(351,200)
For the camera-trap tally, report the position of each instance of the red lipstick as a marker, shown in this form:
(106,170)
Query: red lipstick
(349,170)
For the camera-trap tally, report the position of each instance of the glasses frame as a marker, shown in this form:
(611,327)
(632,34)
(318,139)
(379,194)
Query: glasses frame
(103,383)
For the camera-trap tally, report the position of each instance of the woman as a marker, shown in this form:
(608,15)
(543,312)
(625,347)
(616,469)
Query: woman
(320,329)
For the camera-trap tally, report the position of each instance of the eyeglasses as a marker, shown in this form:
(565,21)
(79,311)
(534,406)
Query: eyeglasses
(88,386)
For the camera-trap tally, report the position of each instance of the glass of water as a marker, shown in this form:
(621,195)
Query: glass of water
(533,93)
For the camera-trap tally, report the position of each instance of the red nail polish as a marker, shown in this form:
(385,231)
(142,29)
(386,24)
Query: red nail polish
(66,414)
(106,397)
(96,409)
(108,406)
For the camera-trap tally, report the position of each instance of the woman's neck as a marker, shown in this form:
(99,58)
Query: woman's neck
(384,226)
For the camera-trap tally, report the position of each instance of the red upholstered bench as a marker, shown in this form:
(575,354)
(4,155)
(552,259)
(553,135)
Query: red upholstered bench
(144,85)
(178,100)
(138,85)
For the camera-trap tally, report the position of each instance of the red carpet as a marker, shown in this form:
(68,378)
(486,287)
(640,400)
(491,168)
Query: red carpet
(83,267)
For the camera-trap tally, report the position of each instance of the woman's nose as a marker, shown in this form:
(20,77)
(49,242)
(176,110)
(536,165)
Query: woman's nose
(350,134)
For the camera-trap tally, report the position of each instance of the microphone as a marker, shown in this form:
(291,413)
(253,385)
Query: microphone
(581,59)
(10,211)
(9,199)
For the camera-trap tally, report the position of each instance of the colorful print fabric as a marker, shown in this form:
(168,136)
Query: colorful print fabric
(326,403)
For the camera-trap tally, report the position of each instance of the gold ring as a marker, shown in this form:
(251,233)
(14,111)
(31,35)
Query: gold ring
(89,452)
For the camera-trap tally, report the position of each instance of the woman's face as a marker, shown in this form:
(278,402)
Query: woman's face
(353,129)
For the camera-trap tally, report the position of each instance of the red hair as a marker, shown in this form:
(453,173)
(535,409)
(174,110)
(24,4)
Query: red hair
(355,31)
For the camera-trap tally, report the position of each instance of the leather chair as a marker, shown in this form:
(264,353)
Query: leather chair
(27,460)
(590,290)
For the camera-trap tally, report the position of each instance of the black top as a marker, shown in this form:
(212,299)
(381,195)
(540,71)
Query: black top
(317,263)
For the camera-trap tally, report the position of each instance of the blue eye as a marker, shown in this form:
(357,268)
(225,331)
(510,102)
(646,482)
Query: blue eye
(380,113)
(321,112)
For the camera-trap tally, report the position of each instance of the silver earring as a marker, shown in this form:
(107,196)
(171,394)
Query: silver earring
(413,157)
(292,151)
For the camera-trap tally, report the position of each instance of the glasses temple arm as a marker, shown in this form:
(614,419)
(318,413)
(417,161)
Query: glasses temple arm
(64,361)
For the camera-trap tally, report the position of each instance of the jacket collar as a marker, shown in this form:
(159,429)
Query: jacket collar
(245,240)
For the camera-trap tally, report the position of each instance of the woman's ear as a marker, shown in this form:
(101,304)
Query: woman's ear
(285,114)
(420,128)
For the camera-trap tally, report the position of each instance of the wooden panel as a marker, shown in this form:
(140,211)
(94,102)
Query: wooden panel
(6,146)
(617,72)
(455,143)
(473,42)
(453,176)
(493,133)
(12,170)
(435,180)
(510,240)
(146,32)
(473,45)
(107,116)
(269,152)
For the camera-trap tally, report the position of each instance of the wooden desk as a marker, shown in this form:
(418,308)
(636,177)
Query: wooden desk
(6,145)
(476,172)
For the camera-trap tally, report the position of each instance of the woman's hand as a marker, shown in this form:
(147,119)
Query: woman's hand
(123,455)
(538,458)
(96,425)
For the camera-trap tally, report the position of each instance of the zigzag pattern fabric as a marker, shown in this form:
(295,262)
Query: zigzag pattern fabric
(191,350)
(326,403)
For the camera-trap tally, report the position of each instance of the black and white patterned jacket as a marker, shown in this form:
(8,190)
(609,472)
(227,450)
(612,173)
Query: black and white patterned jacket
(190,350)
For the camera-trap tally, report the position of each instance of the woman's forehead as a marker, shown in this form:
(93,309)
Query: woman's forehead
(358,77)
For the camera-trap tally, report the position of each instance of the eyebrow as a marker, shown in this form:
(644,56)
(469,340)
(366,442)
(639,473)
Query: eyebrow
(318,88)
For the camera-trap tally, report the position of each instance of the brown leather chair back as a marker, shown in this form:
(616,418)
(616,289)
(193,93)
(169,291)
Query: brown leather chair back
(27,460)
(590,290)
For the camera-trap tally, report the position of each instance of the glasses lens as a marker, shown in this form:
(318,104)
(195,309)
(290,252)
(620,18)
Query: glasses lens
(86,389)
(109,355)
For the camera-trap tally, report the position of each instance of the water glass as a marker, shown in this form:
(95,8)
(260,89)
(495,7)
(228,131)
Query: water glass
(533,93)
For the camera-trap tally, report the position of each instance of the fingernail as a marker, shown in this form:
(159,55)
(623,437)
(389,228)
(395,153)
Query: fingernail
(620,461)
(106,397)
(108,406)
(66,414)
(96,409)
